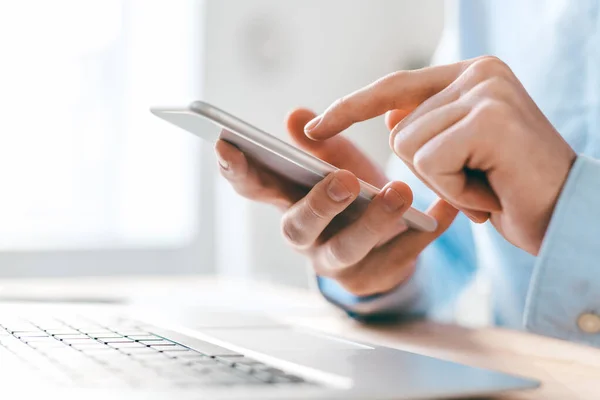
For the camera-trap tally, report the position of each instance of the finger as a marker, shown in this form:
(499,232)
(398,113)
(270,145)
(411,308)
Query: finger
(401,90)
(295,122)
(445,161)
(406,141)
(354,242)
(407,154)
(304,222)
(394,262)
(337,151)
(461,85)
(409,245)
(252,181)
(411,139)
(393,117)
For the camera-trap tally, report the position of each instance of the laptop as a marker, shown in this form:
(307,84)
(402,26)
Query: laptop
(64,351)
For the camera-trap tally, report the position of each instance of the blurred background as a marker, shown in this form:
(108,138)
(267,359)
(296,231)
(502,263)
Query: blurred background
(93,184)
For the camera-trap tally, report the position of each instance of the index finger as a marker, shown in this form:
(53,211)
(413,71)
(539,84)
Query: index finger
(403,90)
(337,151)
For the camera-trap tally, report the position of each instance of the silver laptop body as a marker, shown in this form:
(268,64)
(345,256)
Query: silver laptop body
(98,351)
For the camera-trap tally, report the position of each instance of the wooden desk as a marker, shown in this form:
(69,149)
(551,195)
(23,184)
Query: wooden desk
(567,371)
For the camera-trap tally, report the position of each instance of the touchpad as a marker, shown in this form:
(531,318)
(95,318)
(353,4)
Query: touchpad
(282,339)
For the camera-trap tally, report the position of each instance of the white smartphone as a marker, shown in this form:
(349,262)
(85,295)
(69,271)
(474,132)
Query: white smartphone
(211,123)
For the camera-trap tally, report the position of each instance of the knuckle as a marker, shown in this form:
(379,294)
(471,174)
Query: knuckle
(292,231)
(392,78)
(486,67)
(371,226)
(345,109)
(341,105)
(494,113)
(491,110)
(424,161)
(492,86)
(336,253)
(495,88)
(490,64)
(317,208)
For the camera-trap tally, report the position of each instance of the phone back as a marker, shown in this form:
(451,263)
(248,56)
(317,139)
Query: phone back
(212,124)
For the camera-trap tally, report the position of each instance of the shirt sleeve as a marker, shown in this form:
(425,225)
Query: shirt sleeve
(564,293)
(443,270)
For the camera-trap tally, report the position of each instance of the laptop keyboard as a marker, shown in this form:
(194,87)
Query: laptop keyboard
(82,352)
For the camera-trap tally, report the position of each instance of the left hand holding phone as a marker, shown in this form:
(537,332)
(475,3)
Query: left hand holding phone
(371,255)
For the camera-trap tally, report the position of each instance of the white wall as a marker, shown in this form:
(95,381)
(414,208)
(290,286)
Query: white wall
(265,57)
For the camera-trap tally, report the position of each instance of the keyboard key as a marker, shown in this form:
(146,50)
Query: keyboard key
(46,345)
(79,342)
(139,350)
(194,356)
(30,334)
(156,343)
(171,349)
(71,337)
(95,331)
(88,346)
(140,338)
(39,339)
(133,333)
(61,351)
(111,354)
(62,331)
(91,351)
(106,335)
(115,340)
(148,354)
(126,345)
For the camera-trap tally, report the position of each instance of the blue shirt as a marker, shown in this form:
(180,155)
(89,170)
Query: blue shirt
(553,46)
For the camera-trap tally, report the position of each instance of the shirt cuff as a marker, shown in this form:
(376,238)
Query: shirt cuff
(564,293)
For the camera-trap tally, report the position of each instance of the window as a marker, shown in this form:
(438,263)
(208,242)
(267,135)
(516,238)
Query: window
(84,167)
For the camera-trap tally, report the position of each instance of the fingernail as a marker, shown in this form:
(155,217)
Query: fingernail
(392,201)
(313,124)
(472,217)
(224,164)
(337,191)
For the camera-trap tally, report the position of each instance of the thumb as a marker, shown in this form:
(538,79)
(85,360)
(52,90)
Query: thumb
(393,118)
(413,242)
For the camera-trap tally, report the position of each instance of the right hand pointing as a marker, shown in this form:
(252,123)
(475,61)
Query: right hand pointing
(370,255)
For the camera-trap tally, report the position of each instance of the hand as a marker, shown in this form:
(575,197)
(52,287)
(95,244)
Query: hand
(370,255)
(473,135)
